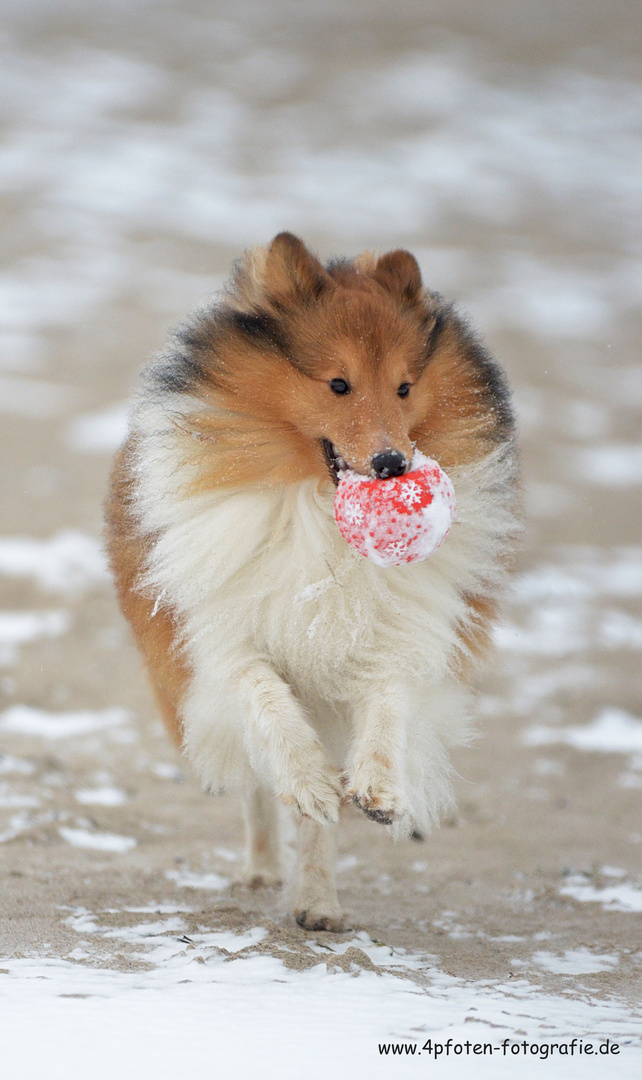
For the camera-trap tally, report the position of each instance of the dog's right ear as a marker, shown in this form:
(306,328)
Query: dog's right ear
(283,273)
(292,273)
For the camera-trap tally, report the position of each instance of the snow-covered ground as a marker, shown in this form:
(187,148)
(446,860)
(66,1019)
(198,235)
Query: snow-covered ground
(220,1002)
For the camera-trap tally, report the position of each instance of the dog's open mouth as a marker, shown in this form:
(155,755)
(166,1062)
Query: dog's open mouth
(335,462)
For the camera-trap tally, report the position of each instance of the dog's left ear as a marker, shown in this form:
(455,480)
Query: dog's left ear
(291,272)
(398,271)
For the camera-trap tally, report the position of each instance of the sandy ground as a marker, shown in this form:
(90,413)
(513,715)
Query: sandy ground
(144,148)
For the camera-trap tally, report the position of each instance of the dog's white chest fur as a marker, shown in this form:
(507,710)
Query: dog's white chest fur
(269,573)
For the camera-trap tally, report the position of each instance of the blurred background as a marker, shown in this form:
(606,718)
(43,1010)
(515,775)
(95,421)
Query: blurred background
(144,146)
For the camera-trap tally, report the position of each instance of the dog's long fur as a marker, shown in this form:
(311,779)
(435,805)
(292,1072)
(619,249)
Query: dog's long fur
(283,660)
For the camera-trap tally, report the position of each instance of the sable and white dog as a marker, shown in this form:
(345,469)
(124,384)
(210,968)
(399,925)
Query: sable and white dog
(284,661)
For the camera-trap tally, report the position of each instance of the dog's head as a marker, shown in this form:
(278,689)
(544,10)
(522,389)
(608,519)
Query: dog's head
(353,364)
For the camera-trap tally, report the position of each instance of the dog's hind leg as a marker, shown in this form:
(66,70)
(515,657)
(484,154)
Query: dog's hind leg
(378,750)
(262,858)
(316,904)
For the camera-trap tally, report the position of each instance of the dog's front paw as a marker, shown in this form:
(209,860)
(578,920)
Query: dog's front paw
(315,790)
(374,790)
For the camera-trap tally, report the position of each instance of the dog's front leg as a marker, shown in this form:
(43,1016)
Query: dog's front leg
(279,738)
(378,753)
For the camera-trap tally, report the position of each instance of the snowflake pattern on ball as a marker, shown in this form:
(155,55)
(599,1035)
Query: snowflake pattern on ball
(410,494)
(354,515)
(396,551)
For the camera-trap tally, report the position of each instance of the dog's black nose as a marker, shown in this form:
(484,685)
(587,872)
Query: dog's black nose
(389,463)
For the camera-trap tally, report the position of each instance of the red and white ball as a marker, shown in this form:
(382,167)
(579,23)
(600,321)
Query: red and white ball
(400,520)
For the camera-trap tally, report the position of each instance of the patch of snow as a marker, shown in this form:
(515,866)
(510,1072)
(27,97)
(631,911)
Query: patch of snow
(21,627)
(97,841)
(62,287)
(11,764)
(614,731)
(347,862)
(17,824)
(166,771)
(100,432)
(615,572)
(555,630)
(550,582)
(25,720)
(68,562)
(230,941)
(142,932)
(189,879)
(227,854)
(79,954)
(613,465)
(378,952)
(592,572)
(575,962)
(620,897)
(82,921)
(619,630)
(630,780)
(10,800)
(102,796)
(530,691)
(153,936)
(562,629)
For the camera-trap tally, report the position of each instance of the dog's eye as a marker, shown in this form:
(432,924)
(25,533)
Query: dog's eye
(339,386)
(404,389)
